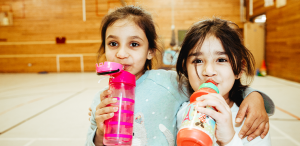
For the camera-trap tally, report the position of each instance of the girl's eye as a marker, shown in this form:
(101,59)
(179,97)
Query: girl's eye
(222,60)
(113,44)
(197,61)
(134,44)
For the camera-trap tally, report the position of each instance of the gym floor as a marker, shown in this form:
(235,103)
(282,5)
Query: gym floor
(52,109)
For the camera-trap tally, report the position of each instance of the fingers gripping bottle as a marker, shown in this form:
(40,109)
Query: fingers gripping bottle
(118,130)
(197,129)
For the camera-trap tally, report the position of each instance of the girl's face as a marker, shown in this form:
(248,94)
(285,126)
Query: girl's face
(212,64)
(127,44)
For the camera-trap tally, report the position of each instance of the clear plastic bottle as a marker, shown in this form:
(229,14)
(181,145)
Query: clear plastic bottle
(197,129)
(118,130)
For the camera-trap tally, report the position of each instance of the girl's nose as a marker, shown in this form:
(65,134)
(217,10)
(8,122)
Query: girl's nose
(122,53)
(209,70)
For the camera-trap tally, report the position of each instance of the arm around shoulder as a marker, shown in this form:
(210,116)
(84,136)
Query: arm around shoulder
(268,102)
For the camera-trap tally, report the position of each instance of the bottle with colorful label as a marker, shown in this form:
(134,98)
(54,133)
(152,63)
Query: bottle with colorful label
(118,130)
(198,129)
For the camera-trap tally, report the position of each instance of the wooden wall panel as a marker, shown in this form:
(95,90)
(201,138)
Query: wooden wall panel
(70,64)
(89,63)
(50,49)
(282,39)
(20,64)
(188,12)
(37,23)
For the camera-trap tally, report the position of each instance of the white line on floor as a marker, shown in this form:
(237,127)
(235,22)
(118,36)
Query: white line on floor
(53,139)
(284,134)
(29,143)
(277,137)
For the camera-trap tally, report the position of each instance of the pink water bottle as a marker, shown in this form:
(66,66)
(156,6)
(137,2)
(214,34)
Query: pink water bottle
(118,130)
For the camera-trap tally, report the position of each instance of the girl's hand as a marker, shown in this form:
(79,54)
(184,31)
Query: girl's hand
(257,121)
(223,118)
(102,112)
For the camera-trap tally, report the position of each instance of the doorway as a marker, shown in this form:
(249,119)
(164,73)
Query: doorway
(254,38)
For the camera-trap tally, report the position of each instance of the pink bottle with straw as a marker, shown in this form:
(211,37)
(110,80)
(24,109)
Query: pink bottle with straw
(118,130)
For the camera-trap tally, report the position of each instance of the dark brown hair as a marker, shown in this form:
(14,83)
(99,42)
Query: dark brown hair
(241,59)
(141,18)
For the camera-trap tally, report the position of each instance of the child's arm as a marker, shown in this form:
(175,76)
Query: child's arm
(255,107)
(93,126)
(99,114)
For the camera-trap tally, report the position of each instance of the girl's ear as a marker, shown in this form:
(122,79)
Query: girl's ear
(150,54)
(242,71)
(239,75)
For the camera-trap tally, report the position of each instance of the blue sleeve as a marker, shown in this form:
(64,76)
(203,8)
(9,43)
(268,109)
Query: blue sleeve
(269,104)
(183,94)
(93,127)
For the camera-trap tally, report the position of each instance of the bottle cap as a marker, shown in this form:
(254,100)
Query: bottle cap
(204,89)
(108,68)
(209,85)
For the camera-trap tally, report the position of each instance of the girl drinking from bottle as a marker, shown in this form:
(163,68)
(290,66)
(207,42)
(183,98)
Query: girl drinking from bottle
(129,37)
(212,51)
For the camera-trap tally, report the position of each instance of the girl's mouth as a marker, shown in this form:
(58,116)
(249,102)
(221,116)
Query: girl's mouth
(212,81)
(126,67)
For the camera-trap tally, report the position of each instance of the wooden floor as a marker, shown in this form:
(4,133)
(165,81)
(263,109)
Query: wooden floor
(51,109)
